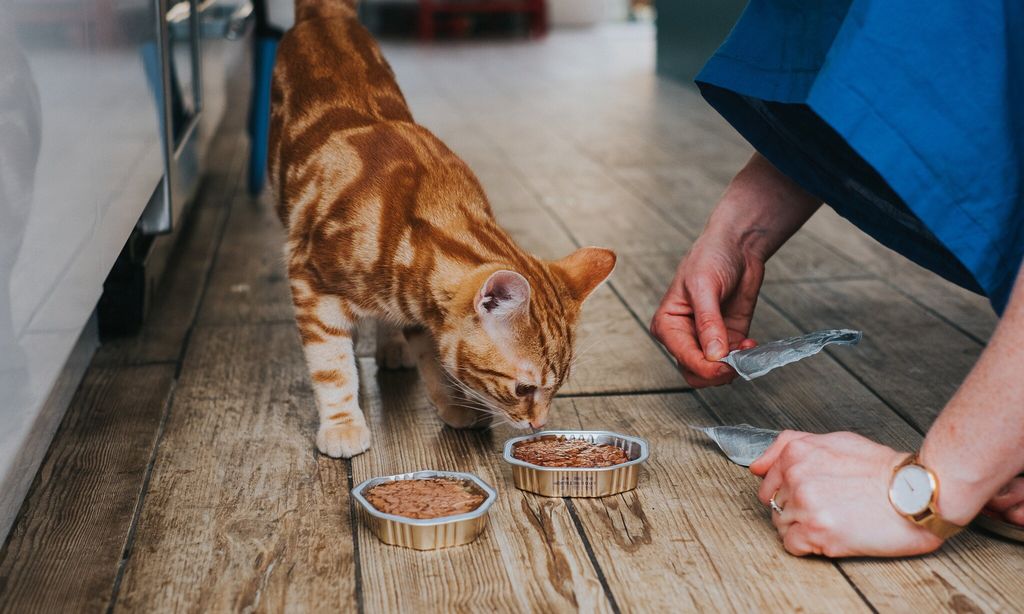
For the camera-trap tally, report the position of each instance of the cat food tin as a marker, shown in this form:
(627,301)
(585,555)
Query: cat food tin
(579,481)
(425,533)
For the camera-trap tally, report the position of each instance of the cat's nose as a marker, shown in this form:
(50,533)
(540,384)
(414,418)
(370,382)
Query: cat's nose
(536,423)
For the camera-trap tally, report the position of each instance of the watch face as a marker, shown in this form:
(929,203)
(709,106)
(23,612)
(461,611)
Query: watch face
(911,490)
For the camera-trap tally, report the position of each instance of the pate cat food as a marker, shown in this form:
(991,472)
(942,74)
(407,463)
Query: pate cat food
(425,498)
(558,452)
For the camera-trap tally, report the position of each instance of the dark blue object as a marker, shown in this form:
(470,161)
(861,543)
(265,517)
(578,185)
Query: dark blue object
(259,113)
(906,117)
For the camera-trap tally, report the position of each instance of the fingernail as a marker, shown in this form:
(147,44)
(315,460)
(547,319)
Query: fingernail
(715,350)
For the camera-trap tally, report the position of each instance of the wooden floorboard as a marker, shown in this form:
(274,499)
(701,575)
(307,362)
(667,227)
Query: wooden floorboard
(530,557)
(241,512)
(63,553)
(910,358)
(961,308)
(692,536)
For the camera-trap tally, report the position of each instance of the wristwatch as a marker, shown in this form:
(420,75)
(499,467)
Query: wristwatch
(914,492)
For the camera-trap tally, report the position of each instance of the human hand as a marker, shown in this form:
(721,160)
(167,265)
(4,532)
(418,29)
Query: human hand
(707,308)
(834,493)
(1008,504)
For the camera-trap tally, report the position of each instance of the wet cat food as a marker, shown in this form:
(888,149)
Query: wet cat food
(575,463)
(425,498)
(576,453)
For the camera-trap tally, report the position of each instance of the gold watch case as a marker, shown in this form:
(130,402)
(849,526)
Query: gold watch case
(929,518)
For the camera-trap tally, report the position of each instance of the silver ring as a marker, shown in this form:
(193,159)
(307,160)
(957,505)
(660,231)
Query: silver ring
(775,506)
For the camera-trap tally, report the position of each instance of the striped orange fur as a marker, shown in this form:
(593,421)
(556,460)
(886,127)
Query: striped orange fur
(386,222)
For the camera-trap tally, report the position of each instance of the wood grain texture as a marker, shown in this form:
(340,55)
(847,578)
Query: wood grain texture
(684,197)
(692,536)
(962,308)
(241,513)
(248,283)
(529,558)
(62,555)
(909,357)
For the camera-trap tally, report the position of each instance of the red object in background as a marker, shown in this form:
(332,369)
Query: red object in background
(534,9)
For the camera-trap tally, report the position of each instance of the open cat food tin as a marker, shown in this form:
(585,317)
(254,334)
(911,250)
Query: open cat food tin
(624,454)
(400,529)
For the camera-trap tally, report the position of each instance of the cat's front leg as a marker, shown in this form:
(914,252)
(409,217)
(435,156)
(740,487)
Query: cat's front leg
(393,351)
(326,324)
(453,406)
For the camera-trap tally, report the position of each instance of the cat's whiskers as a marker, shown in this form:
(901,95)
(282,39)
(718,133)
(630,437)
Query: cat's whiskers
(580,353)
(476,395)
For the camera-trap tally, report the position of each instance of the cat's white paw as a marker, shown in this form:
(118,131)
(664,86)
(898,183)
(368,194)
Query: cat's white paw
(394,353)
(343,441)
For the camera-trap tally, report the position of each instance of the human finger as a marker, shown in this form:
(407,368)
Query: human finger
(771,484)
(1015,515)
(767,460)
(707,317)
(746,344)
(1011,495)
(796,541)
(677,333)
(696,381)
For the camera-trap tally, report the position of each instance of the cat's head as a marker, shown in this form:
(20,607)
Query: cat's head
(511,341)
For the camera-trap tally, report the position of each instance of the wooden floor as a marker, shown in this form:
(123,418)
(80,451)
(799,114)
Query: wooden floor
(185,475)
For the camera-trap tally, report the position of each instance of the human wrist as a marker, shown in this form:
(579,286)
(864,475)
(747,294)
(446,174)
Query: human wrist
(962,489)
(760,209)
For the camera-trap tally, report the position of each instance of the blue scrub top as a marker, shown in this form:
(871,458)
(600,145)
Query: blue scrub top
(930,95)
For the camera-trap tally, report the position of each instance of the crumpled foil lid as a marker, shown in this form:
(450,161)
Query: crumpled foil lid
(742,443)
(759,360)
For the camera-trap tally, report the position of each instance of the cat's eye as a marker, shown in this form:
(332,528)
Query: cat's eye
(525,390)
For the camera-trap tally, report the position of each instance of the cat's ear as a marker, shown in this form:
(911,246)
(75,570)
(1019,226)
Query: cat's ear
(504,294)
(585,269)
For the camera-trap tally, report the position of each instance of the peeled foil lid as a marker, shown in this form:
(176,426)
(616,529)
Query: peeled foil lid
(742,443)
(759,360)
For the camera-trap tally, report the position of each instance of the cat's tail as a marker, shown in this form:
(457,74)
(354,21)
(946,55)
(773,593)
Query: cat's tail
(315,9)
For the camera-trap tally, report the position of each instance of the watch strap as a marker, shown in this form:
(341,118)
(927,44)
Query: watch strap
(937,525)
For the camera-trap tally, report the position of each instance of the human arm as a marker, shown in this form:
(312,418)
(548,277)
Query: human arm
(707,308)
(834,488)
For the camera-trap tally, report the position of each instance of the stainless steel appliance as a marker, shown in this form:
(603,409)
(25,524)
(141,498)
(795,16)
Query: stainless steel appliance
(107,106)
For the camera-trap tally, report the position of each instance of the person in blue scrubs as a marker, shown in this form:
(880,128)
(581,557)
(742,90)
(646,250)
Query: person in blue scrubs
(908,119)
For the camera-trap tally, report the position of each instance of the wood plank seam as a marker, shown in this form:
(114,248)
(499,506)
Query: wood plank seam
(216,252)
(590,554)
(836,564)
(356,557)
(129,541)
(231,188)
(632,393)
(895,287)
(839,361)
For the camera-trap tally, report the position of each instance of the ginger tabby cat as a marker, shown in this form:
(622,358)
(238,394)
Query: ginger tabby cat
(386,222)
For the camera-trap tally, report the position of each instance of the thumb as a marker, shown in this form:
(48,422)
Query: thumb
(707,316)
